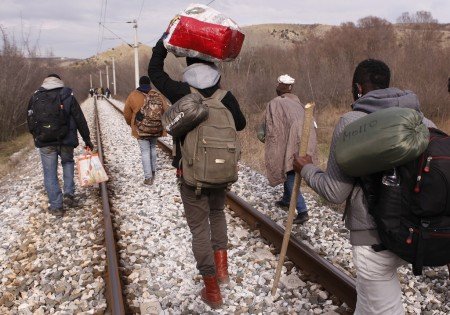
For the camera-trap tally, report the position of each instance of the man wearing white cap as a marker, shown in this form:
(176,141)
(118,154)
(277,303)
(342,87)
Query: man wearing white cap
(284,123)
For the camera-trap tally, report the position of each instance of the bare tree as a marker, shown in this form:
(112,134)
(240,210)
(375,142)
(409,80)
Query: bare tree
(18,79)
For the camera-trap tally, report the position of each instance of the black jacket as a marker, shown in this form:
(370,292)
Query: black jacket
(174,90)
(77,121)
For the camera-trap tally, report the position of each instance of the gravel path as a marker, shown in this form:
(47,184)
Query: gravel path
(325,232)
(156,243)
(50,265)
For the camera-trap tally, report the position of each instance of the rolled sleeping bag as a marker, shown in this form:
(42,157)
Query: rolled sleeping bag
(183,116)
(381,141)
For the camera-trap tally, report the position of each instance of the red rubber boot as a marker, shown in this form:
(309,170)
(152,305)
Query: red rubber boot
(220,258)
(211,292)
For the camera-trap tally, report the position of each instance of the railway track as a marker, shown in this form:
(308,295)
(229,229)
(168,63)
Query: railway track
(320,270)
(114,292)
(53,265)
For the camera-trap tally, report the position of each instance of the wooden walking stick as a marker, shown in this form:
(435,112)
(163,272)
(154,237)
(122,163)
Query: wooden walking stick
(293,204)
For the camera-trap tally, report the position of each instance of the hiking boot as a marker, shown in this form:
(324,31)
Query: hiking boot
(220,259)
(148,181)
(301,218)
(57,212)
(282,205)
(70,201)
(211,292)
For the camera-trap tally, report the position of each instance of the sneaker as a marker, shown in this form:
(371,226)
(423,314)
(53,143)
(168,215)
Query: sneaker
(57,212)
(148,181)
(69,200)
(282,205)
(301,218)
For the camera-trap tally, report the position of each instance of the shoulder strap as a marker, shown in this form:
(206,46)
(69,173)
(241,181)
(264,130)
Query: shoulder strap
(144,93)
(193,90)
(218,94)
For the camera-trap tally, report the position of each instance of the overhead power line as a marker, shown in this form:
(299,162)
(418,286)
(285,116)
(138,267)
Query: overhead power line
(118,37)
(140,11)
(102,20)
(99,28)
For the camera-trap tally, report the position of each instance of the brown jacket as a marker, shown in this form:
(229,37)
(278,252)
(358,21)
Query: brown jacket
(284,123)
(133,104)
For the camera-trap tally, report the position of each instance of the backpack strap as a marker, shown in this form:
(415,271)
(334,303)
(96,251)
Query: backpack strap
(219,94)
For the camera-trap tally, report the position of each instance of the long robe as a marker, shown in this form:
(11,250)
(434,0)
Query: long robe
(284,125)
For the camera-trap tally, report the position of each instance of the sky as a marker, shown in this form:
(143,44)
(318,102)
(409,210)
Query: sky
(71,28)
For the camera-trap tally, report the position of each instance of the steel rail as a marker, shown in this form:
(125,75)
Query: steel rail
(332,278)
(114,293)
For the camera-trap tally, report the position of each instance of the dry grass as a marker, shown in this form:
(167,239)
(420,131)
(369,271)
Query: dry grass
(11,154)
(444,124)
(253,149)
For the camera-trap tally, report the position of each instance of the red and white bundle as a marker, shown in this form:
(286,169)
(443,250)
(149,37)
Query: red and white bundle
(202,32)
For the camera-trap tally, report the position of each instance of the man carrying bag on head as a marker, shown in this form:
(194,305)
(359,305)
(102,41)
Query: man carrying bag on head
(203,207)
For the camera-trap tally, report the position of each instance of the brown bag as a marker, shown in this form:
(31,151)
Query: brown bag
(148,118)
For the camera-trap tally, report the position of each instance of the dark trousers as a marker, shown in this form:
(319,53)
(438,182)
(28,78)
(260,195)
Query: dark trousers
(206,220)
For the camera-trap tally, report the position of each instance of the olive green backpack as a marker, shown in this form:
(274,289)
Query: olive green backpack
(210,152)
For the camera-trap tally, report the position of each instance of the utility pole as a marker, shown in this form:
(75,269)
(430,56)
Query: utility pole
(90,79)
(136,54)
(101,82)
(114,76)
(107,77)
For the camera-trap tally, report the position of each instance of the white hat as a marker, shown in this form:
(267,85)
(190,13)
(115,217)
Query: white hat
(286,79)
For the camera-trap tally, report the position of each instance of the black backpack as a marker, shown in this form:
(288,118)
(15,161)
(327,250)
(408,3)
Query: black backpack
(49,120)
(411,206)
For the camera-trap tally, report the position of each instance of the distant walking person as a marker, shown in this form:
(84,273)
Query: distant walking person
(204,211)
(99,93)
(377,284)
(283,128)
(54,116)
(143,110)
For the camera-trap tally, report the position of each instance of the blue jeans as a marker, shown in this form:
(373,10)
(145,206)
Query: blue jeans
(288,188)
(49,158)
(148,156)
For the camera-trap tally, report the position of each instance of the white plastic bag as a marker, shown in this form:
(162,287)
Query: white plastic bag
(90,169)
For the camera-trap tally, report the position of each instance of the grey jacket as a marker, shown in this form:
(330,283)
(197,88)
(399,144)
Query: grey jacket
(337,187)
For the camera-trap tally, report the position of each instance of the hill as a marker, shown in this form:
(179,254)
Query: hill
(289,34)
(267,35)
(284,34)
(121,53)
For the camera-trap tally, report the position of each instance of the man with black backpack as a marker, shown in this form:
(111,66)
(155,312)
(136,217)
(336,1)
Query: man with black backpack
(143,110)
(377,284)
(54,116)
(203,206)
